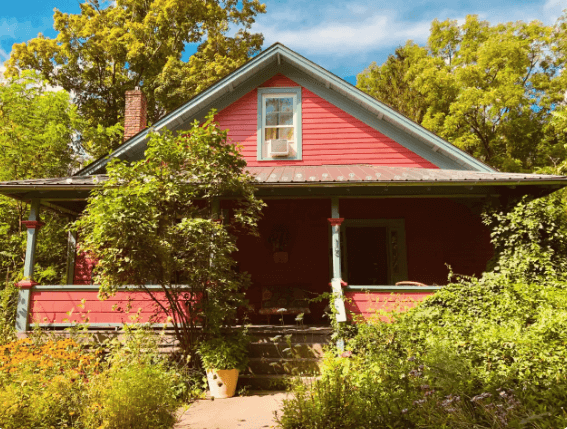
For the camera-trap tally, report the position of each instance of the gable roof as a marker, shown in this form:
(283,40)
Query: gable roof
(280,59)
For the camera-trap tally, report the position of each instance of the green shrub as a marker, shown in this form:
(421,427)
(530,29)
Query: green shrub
(227,352)
(480,353)
(137,389)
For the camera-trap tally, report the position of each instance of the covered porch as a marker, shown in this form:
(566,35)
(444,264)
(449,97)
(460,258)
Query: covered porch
(381,237)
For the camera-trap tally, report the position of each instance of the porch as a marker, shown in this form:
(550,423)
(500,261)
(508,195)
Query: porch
(363,235)
(380,242)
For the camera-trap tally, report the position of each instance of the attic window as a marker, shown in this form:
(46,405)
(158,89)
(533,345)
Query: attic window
(279,124)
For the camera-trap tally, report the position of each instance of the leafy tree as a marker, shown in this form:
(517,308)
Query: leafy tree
(389,82)
(487,89)
(37,131)
(101,52)
(150,224)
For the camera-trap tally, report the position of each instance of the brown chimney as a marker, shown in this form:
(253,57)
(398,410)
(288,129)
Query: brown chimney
(135,113)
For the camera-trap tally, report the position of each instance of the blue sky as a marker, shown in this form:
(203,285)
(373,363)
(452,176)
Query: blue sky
(342,36)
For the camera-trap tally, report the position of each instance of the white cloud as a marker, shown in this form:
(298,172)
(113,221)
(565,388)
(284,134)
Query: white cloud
(342,37)
(552,9)
(3,57)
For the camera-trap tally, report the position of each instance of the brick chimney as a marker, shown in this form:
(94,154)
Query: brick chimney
(135,113)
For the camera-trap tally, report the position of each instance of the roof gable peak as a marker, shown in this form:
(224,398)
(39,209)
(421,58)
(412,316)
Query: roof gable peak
(278,58)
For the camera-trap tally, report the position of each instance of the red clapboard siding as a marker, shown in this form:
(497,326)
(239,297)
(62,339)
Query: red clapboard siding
(85,307)
(84,265)
(367,304)
(330,135)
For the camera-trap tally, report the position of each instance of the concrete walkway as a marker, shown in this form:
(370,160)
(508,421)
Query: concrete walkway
(240,412)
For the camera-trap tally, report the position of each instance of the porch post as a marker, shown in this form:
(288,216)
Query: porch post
(215,208)
(71,255)
(33,225)
(336,281)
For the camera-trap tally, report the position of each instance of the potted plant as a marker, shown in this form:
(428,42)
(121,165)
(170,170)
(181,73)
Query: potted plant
(223,358)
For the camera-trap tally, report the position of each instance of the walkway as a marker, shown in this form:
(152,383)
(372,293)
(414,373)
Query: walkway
(240,412)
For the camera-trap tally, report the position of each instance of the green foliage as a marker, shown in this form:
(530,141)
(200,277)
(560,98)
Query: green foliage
(37,131)
(227,352)
(486,353)
(37,128)
(109,48)
(530,239)
(8,304)
(489,90)
(137,387)
(389,82)
(150,223)
(47,383)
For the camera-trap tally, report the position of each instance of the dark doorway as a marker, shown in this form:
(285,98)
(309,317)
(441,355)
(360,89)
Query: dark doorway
(367,255)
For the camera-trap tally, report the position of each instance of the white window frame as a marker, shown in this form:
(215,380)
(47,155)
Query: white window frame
(293,92)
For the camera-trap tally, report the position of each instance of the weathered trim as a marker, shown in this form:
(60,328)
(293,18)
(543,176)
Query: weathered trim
(336,281)
(425,289)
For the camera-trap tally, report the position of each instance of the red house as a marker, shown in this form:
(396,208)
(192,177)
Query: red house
(360,199)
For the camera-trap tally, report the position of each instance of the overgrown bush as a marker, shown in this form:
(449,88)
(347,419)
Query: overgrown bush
(530,238)
(480,353)
(62,384)
(484,353)
(136,389)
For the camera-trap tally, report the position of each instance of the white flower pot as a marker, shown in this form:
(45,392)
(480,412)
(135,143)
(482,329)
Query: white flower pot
(222,382)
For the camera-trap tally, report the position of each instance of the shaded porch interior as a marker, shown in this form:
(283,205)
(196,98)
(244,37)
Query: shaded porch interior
(382,240)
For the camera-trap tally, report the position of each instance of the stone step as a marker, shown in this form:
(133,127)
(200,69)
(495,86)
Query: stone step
(269,382)
(279,366)
(283,350)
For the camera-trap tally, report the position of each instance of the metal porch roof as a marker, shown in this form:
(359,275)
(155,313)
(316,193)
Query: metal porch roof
(69,194)
(377,175)
(322,174)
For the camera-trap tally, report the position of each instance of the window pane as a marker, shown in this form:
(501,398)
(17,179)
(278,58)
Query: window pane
(271,133)
(272,105)
(286,104)
(279,133)
(272,119)
(285,133)
(285,119)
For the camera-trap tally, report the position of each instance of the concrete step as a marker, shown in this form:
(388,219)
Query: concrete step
(279,366)
(261,349)
(270,382)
